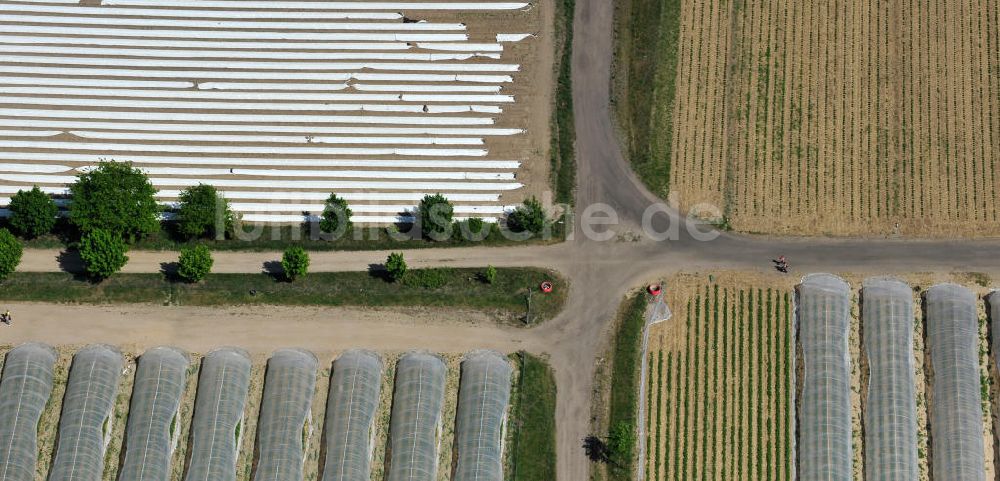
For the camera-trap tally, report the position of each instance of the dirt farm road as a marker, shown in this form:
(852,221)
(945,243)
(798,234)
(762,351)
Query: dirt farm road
(601,273)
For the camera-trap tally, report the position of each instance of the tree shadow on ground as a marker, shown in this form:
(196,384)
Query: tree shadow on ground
(275,271)
(70,262)
(378,271)
(169,271)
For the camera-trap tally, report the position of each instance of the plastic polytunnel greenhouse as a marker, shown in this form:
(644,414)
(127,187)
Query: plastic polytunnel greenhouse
(223,385)
(85,424)
(156,398)
(289,387)
(415,426)
(824,418)
(483,397)
(355,386)
(24,390)
(993,304)
(891,409)
(955,410)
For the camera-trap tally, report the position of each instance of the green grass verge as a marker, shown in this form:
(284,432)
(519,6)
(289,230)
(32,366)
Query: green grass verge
(506,299)
(623,405)
(532,424)
(646,33)
(563,155)
(276,238)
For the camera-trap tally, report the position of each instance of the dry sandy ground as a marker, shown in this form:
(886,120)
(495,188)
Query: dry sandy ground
(258,329)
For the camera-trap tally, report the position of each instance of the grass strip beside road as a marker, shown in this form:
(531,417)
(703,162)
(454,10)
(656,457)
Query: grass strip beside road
(563,154)
(646,33)
(532,423)
(623,403)
(505,299)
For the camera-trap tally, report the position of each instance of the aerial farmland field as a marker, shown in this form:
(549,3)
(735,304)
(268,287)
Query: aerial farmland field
(731,383)
(834,117)
(233,415)
(277,106)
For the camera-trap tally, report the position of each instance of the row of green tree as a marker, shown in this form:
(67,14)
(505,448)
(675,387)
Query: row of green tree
(114,206)
(118,198)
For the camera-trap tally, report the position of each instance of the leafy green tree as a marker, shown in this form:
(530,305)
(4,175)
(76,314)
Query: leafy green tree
(295,262)
(103,253)
(10,253)
(396,266)
(473,229)
(529,217)
(436,214)
(32,212)
(194,263)
(336,215)
(114,197)
(203,213)
(621,442)
(490,274)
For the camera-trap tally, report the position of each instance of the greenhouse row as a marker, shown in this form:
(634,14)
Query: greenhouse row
(824,421)
(891,409)
(284,425)
(956,411)
(24,390)
(824,418)
(84,427)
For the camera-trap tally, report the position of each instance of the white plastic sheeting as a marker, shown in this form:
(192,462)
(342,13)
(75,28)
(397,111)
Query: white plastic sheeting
(258,129)
(266,65)
(239,34)
(220,14)
(204,105)
(285,184)
(512,37)
(270,139)
(228,24)
(28,133)
(53,38)
(415,5)
(228,74)
(382,208)
(209,149)
(142,115)
(249,161)
(208,94)
(40,168)
(361,219)
(462,47)
(249,54)
(237,93)
(89,82)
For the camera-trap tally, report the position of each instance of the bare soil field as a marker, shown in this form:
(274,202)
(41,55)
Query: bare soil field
(380,104)
(828,118)
(719,403)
